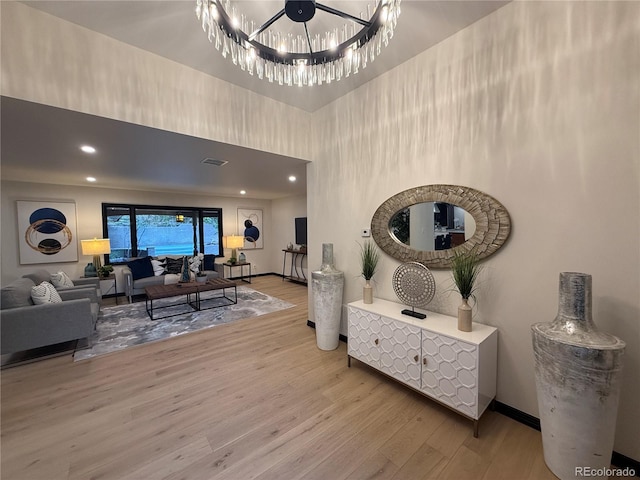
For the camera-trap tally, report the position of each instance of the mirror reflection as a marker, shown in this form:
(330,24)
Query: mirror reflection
(431,226)
(486,227)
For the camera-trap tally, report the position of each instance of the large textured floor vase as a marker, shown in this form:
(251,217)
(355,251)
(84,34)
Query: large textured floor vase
(578,374)
(327,285)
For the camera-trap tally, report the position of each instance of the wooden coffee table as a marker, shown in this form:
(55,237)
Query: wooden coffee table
(192,292)
(218,284)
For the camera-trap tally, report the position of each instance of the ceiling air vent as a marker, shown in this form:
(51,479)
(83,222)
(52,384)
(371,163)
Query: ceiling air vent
(212,161)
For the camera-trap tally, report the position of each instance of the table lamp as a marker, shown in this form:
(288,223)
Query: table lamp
(95,247)
(234,242)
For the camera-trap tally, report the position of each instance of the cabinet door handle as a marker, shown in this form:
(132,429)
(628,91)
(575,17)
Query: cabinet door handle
(415,359)
(376,341)
(424,360)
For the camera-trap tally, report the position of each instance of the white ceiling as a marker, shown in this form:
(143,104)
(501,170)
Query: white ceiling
(144,158)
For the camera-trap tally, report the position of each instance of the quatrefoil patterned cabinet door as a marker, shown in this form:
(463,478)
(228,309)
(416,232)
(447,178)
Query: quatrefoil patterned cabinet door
(364,336)
(450,372)
(388,345)
(400,351)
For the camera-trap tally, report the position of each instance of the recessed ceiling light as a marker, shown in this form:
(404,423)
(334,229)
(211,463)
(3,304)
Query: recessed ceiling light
(88,149)
(243,192)
(292,178)
(91,179)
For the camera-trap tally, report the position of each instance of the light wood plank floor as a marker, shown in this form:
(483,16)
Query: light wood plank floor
(252,399)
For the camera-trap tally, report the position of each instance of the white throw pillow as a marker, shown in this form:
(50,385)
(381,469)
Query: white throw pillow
(44,293)
(61,280)
(158,267)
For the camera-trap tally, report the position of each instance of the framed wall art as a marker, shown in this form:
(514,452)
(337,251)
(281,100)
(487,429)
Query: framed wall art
(250,226)
(47,232)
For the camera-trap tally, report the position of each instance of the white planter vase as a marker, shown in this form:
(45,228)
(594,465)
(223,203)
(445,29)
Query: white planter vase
(367,293)
(465,323)
(578,373)
(327,285)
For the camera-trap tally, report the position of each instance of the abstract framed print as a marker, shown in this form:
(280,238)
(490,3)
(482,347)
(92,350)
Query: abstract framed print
(47,232)
(250,226)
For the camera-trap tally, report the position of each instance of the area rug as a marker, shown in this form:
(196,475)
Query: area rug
(124,326)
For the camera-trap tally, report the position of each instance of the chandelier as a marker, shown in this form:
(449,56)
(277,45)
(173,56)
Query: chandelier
(299,58)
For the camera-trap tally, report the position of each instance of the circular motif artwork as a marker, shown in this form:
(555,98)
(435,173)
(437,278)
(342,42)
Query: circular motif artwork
(250,226)
(251,232)
(414,284)
(48,232)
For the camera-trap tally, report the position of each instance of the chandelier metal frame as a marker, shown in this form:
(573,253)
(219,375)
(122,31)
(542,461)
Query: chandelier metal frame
(299,60)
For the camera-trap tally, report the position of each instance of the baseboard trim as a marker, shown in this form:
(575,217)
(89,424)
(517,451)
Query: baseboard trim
(298,281)
(311,324)
(519,416)
(252,276)
(622,461)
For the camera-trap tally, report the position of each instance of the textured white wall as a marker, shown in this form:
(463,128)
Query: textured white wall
(58,63)
(537,105)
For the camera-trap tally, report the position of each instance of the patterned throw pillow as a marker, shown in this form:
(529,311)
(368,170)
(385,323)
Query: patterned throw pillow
(61,280)
(174,265)
(44,293)
(158,267)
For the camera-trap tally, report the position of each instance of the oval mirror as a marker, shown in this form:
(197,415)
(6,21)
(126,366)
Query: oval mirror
(409,227)
(432,226)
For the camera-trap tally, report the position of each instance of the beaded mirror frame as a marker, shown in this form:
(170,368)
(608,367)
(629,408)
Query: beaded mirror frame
(493,224)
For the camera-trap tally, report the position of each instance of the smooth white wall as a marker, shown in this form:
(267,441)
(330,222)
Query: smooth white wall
(89,216)
(537,105)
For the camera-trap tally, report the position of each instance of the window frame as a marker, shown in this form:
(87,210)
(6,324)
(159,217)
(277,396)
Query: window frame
(200,212)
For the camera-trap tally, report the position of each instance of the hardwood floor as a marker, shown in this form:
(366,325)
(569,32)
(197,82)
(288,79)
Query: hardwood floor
(251,399)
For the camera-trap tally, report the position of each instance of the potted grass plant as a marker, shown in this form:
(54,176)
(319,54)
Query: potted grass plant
(465,268)
(369,258)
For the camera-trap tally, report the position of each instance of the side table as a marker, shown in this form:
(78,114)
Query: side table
(107,285)
(298,276)
(241,265)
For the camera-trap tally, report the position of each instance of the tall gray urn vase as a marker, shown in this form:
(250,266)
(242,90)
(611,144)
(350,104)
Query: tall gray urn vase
(578,373)
(328,285)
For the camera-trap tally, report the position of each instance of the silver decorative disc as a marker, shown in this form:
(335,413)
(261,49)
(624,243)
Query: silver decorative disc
(414,284)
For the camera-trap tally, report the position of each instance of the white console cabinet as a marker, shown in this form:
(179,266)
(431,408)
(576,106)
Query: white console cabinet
(457,369)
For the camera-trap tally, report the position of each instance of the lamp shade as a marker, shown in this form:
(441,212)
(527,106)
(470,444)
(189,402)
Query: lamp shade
(97,246)
(233,241)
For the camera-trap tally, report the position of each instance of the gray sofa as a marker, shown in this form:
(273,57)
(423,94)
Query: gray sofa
(136,287)
(25,326)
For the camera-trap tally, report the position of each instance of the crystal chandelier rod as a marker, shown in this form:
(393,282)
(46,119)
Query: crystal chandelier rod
(320,6)
(266,25)
(344,15)
(306,30)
